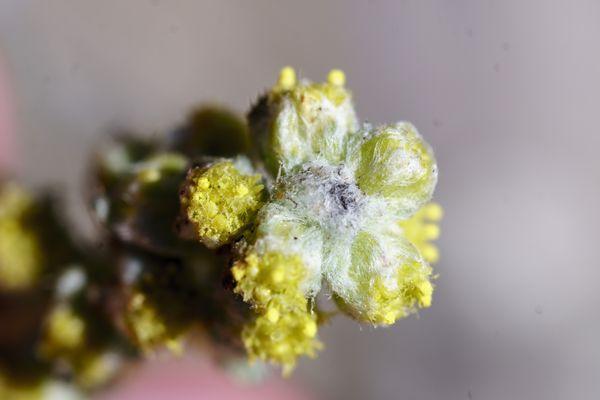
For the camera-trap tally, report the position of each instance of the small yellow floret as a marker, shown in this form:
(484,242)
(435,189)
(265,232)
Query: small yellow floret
(287,78)
(220,201)
(422,227)
(148,328)
(260,278)
(283,339)
(336,77)
(411,289)
(20,254)
(284,328)
(65,332)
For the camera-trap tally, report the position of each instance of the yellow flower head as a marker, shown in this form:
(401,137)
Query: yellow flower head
(220,201)
(284,327)
(282,332)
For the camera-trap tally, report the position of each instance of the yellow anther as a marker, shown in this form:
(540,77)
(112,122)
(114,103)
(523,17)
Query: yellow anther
(242,190)
(433,211)
(336,77)
(65,330)
(238,273)
(253,270)
(422,228)
(272,315)
(425,291)
(203,183)
(390,317)
(430,253)
(277,275)
(281,348)
(431,231)
(211,209)
(310,329)
(220,222)
(262,294)
(287,78)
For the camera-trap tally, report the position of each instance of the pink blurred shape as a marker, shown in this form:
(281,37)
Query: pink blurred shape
(194,377)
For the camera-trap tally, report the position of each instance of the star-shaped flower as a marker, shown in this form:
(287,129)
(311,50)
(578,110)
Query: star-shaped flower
(327,214)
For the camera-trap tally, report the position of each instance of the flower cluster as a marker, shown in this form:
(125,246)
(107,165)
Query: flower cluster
(337,216)
(244,234)
(52,308)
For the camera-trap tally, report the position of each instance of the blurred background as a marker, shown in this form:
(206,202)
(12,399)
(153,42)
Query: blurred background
(506,92)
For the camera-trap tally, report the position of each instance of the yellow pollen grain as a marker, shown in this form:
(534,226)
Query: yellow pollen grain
(287,78)
(434,211)
(277,275)
(253,270)
(238,273)
(336,77)
(272,315)
(310,329)
(220,222)
(203,183)
(211,209)
(432,231)
(262,294)
(426,290)
(390,317)
(242,190)
(430,253)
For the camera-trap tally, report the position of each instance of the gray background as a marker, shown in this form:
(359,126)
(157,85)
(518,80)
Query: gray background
(507,92)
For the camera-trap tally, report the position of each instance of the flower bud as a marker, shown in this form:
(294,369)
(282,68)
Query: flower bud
(297,122)
(211,131)
(386,278)
(395,163)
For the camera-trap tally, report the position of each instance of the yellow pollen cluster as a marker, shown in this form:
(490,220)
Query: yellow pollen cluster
(65,332)
(422,228)
(333,89)
(413,288)
(284,328)
(19,247)
(148,328)
(220,201)
(287,78)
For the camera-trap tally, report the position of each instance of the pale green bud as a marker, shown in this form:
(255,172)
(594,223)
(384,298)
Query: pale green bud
(395,163)
(382,278)
(296,122)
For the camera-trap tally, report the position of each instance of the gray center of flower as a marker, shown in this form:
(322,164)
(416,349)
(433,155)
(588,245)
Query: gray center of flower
(327,194)
(345,196)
